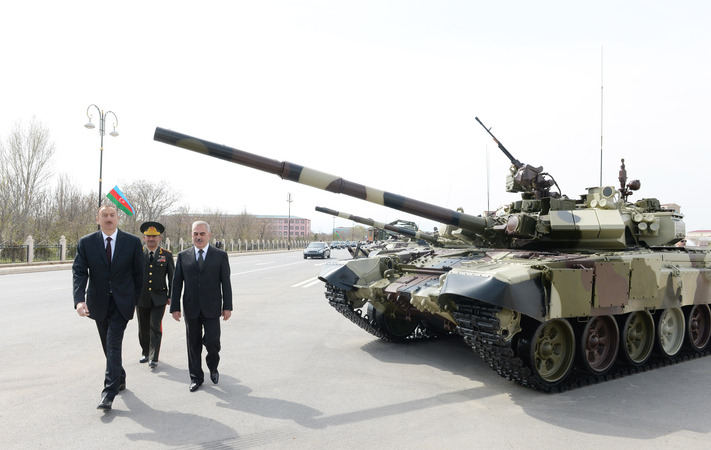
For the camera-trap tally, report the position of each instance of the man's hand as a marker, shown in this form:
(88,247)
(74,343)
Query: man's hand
(82,310)
(176,315)
(226,313)
(168,301)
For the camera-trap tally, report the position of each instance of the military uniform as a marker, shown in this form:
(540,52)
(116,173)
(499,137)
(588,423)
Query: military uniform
(158,277)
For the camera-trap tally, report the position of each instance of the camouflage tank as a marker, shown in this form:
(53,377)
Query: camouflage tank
(399,236)
(551,292)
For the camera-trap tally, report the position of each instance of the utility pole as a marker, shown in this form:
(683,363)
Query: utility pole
(288,226)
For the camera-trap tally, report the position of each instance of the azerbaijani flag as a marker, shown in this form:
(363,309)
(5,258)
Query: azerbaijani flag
(121,201)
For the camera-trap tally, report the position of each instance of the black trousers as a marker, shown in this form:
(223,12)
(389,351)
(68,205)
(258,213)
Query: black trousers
(196,339)
(150,330)
(111,330)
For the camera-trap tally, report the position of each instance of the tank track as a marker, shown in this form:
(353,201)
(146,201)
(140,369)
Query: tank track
(337,298)
(478,324)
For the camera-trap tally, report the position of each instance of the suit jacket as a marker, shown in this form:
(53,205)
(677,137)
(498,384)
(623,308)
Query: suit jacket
(157,278)
(124,280)
(208,290)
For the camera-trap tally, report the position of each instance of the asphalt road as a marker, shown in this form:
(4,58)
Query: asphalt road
(296,374)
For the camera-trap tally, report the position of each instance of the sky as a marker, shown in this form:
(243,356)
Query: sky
(383,93)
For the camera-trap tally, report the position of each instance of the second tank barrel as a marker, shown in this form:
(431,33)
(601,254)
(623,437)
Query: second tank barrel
(375,224)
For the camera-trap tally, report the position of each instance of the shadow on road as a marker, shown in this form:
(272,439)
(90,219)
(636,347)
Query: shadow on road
(641,406)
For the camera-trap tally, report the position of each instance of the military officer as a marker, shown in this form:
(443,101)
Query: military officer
(158,278)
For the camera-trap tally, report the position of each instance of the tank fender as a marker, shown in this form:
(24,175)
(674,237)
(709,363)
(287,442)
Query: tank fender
(349,274)
(338,275)
(527,297)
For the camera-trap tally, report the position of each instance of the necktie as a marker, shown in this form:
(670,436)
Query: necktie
(108,250)
(200,260)
(150,258)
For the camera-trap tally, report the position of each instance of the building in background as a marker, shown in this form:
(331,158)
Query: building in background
(698,238)
(281,225)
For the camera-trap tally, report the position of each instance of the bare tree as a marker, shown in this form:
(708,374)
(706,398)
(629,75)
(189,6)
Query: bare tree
(220,223)
(178,225)
(7,203)
(245,226)
(264,230)
(74,211)
(151,201)
(25,168)
(41,218)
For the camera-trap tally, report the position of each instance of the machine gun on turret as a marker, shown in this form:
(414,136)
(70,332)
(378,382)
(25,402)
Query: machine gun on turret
(530,181)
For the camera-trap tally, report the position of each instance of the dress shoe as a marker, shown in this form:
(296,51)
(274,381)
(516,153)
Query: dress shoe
(105,404)
(153,364)
(194,386)
(215,376)
(144,359)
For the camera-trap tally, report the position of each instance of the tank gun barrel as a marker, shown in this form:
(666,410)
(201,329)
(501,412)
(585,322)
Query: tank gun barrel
(324,181)
(375,224)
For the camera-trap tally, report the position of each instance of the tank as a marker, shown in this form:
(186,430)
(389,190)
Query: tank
(397,236)
(551,292)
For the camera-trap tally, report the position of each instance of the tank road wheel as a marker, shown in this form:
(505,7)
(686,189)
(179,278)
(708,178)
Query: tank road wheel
(670,331)
(394,327)
(698,326)
(553,350)
(599,344)
(638,337)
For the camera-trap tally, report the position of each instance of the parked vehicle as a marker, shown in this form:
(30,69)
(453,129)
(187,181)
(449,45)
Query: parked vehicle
(317,250)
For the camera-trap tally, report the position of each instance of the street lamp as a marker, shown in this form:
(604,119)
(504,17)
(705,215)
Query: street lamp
(288,233)
(102,131)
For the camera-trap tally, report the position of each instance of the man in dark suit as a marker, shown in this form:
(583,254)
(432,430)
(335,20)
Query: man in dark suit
(111,262)
(157,277)
(205,272)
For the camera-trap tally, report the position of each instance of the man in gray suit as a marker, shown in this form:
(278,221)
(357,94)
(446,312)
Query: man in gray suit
(111,262)
(205,273)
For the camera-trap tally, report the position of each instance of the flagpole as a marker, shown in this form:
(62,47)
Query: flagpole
(102,131)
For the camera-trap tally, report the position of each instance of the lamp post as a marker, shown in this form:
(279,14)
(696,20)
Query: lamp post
(288,226)
(102,131)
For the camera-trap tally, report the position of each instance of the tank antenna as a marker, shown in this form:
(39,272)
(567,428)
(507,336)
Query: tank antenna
(601,105)
(488,208)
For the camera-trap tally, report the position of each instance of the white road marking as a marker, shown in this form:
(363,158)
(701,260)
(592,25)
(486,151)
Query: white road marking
(307,283)
(264,268)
